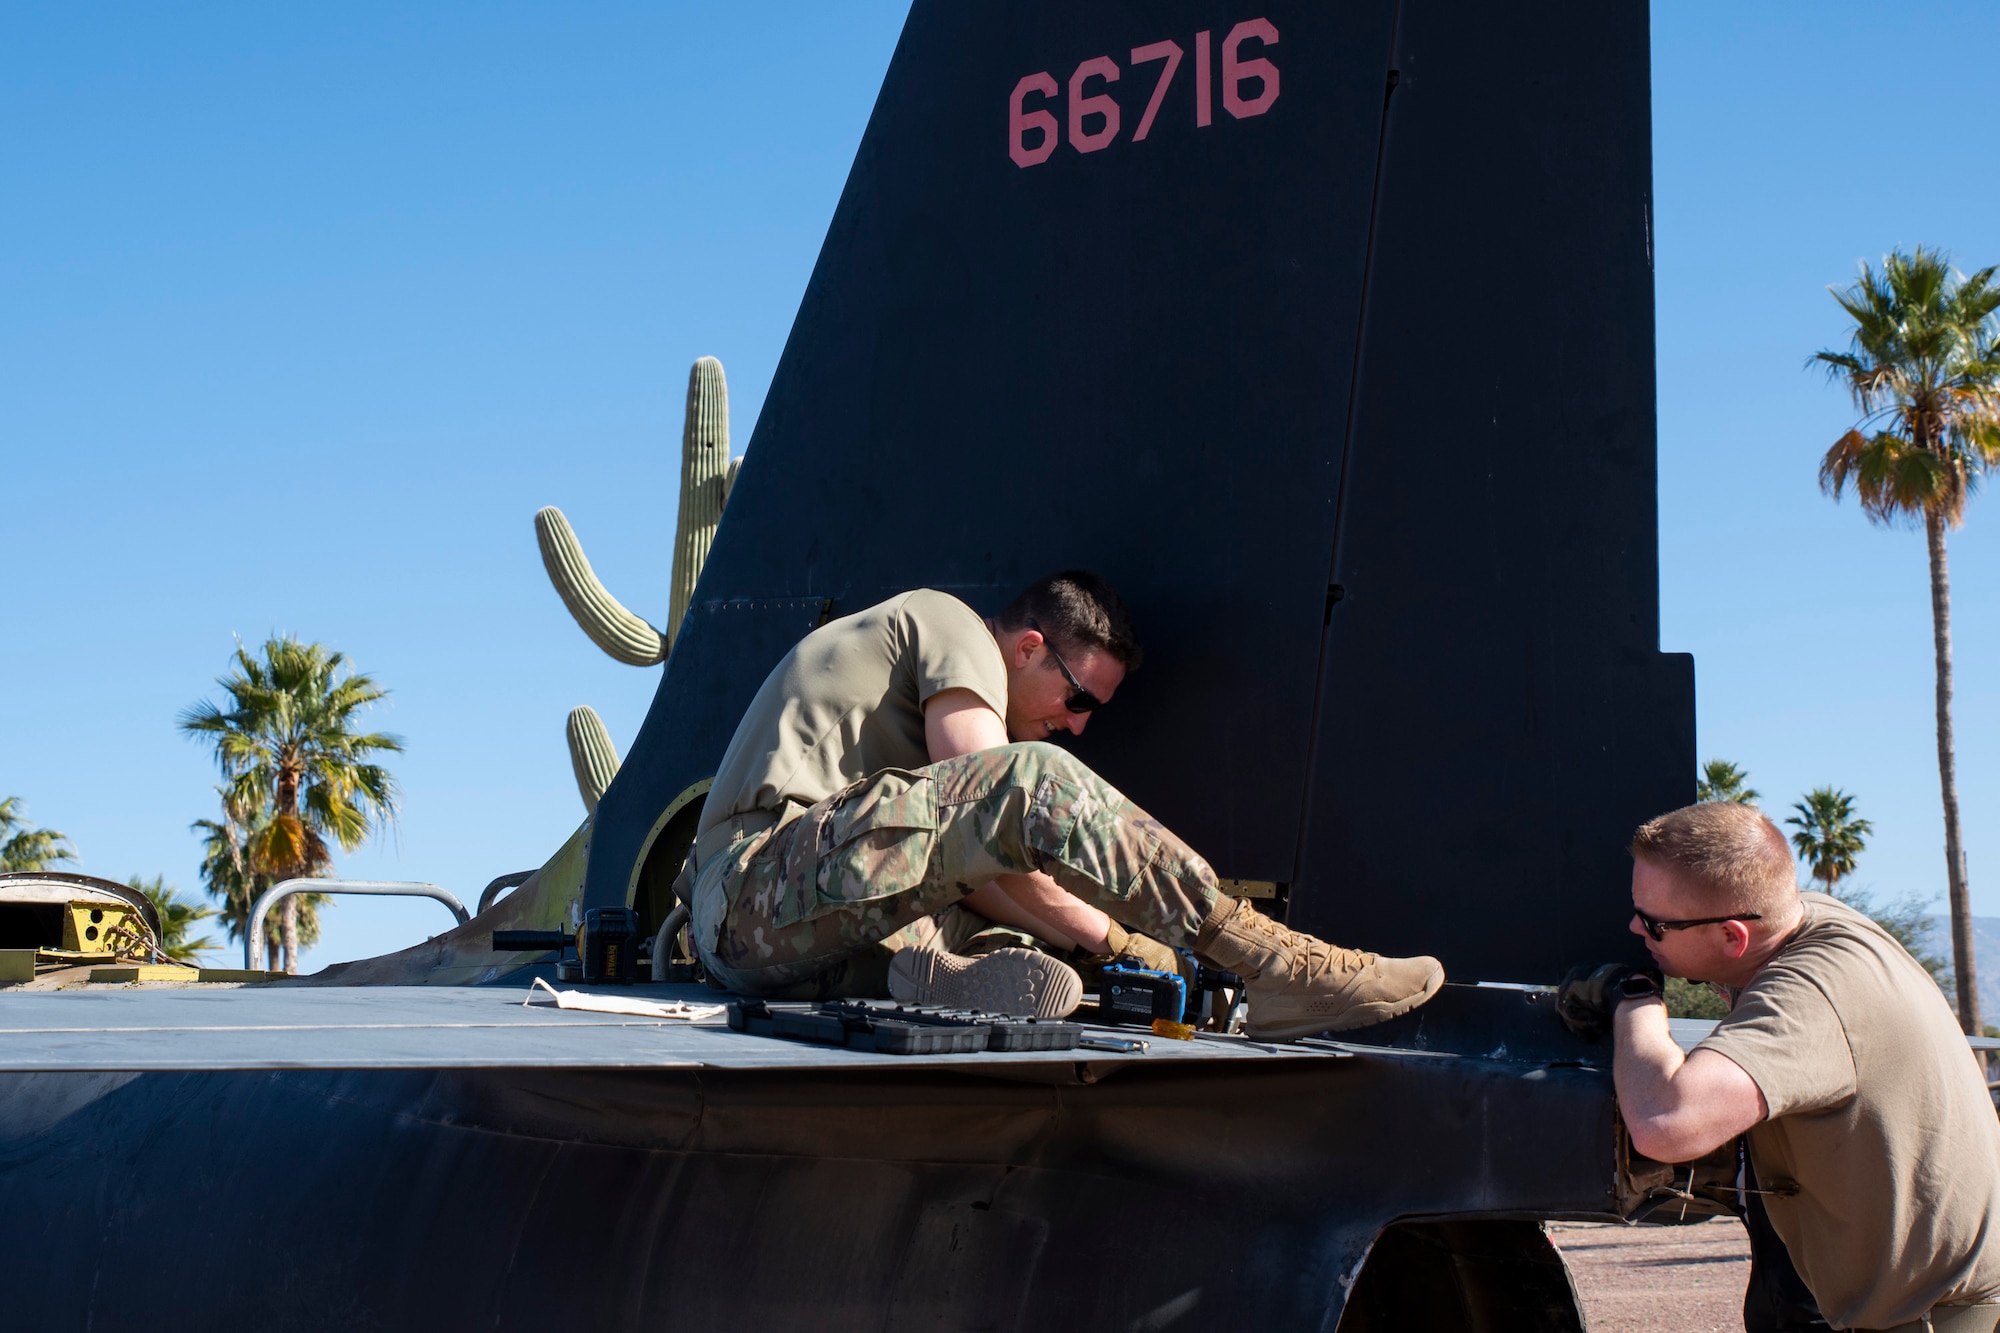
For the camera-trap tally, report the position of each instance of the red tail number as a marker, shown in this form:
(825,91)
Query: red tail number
(1235,70)
(1086,108)
(1020,121)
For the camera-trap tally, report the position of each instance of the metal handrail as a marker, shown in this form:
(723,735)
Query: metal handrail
(492,891)
(663,943)
(253,937)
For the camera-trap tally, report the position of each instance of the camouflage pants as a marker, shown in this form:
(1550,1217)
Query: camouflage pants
(960,930)
(813,906)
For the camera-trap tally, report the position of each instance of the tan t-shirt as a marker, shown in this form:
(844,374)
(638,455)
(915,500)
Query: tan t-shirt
(849,701)
(1879,1116)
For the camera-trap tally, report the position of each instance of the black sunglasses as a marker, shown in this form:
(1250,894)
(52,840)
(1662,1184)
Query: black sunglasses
(1658,929)
(1080,700)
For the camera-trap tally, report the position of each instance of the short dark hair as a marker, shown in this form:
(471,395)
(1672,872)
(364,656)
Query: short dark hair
(1077,609)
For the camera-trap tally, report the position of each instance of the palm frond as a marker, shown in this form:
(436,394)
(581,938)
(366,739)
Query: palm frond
(225,868)
(1923,368)
(1830,837)
(296,768)
(1721,780)
(25,848)
(178,918)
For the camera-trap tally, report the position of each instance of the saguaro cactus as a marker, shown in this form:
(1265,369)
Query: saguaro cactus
(591,755)
(609,625)
(705,477)
(707,474)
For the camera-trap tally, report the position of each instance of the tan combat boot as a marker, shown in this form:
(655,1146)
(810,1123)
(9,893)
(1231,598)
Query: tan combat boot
(1021,982)
(1298,985)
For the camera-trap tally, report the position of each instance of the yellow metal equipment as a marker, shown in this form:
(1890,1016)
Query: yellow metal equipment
(145,972)
(101,928)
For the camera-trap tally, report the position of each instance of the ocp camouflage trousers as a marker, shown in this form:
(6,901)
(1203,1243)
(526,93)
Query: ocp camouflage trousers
(816,897)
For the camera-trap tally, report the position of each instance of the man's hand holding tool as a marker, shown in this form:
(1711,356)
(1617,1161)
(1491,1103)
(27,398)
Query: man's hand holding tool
(1588,996)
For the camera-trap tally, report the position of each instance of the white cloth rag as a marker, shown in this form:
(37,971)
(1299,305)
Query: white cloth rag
(620,1004)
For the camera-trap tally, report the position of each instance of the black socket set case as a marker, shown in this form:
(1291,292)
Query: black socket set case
(899,1029)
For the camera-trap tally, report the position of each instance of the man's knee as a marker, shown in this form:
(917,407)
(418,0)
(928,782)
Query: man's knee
(1047,757)
(1024,765)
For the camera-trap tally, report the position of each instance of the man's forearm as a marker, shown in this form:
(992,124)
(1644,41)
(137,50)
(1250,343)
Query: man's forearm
(1645,1059)
(1065,913)
(992,902)
(1677,1107)
(1643,1064)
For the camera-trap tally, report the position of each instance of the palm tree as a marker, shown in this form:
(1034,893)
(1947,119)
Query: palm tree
(1721,780)
(291,757)
(178,918)
(1830,838)
(1923,367)
(226,874)
(24,848)
(228,878)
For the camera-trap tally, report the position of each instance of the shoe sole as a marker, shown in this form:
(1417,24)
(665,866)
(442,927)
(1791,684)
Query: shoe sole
(1019,982)
(1360,1016)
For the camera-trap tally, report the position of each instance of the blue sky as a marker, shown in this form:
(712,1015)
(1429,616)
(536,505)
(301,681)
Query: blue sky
(305,314)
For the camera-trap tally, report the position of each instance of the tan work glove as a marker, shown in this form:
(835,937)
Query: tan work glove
(1150,952)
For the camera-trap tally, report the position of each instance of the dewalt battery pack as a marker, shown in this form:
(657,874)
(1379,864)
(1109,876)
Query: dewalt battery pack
(608,945)
(1129,996)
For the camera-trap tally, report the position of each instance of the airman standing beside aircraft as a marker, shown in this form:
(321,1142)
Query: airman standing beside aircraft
(1872,1137)
(896,763)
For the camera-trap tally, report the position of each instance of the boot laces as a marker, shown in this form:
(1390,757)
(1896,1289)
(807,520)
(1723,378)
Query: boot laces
(1311,956)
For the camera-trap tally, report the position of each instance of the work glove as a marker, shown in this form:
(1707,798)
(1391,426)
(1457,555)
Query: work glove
(1589,995)
(1148,952)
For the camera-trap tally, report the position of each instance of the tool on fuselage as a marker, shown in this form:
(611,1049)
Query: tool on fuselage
(1129,995)
(1172,1004)
(605,947)
(893,1029)
(1097,1041)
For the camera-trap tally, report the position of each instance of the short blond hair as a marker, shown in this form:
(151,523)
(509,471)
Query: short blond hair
(1733,857)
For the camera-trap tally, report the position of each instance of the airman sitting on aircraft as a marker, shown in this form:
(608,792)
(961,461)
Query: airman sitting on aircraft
(896,766)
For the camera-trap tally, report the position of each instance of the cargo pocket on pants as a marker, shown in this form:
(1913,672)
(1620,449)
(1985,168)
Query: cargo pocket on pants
(876,841)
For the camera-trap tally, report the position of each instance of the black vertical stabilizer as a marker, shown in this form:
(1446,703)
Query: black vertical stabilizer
(1496,716)
(1349,389)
